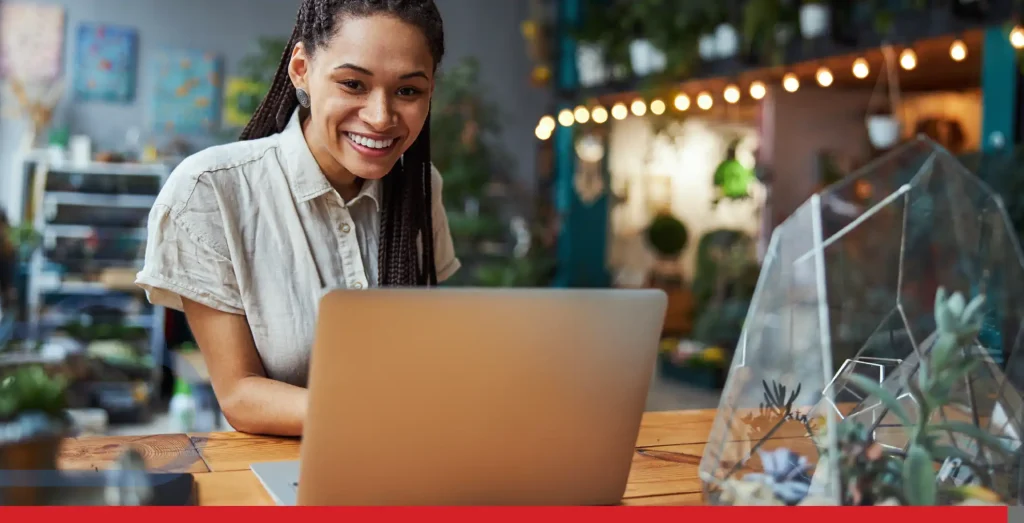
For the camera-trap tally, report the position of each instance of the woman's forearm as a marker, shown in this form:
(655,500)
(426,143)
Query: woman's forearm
(259,405)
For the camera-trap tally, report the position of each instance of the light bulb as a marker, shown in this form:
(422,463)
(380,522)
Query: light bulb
(908,59)
(824,77)
(566,118)
(619,111)
(790,82)
(658,107)
(638,107)
(1017,37)
(958,51)
(758,90)
(704,101)
(861,68)
(682,102)
(599,114)
(542,132)
(731,94)
(582,114)
(546,122)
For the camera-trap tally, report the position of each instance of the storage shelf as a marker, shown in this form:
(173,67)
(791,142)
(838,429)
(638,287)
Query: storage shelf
(122,201)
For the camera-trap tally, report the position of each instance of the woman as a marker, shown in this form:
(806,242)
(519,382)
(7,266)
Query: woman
(330,187)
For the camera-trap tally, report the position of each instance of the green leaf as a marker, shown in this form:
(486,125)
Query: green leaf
(919,477)
(992,441)
(874,389)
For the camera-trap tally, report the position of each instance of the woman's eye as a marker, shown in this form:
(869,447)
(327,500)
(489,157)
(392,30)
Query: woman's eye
(351,84)
(408,91)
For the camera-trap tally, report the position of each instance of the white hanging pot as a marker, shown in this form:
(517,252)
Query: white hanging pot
(707,47)
(883,130)
(590,65)
(727,41)
(814,20)
(645,57)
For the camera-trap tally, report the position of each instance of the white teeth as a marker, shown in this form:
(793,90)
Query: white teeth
(366,142)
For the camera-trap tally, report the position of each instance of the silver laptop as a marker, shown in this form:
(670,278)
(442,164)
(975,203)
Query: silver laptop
(473,397)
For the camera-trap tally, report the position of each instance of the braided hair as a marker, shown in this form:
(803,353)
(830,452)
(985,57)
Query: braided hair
(406,219)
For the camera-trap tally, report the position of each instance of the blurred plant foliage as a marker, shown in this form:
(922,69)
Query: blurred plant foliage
(480,200)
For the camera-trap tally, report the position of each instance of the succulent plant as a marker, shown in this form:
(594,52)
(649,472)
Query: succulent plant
(911,478)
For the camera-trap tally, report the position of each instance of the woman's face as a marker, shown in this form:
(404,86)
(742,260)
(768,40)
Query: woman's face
(370,89)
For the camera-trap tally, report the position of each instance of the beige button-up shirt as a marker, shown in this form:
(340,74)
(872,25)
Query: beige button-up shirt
(254,228)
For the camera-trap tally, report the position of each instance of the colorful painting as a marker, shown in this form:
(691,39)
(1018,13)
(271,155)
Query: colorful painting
(31,41)
(187,91)
(105,63)
(242,97)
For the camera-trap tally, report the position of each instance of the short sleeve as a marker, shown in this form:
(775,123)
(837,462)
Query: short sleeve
(178,265)
(444,249)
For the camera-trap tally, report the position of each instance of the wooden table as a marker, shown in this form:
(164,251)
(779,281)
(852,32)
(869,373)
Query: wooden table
(669,449)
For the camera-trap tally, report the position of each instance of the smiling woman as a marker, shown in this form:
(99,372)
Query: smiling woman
(330,186)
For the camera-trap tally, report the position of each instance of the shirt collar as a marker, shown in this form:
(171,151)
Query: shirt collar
(306,179)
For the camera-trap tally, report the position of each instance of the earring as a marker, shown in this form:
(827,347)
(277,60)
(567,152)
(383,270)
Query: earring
(303,97)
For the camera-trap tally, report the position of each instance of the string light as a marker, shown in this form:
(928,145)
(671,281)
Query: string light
(682,102)
(619,111)
(543,133)
(544,128)
(566,118)
(704,101)
(758,90)
(658,107)
(638,107)
(1017,37)
(790,82)
(582,114)
(958,51)
(824,77)
(861,69)
(599,114)
(731,94)
(908,59)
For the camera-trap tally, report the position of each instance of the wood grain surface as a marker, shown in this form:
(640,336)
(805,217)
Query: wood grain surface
(669,449)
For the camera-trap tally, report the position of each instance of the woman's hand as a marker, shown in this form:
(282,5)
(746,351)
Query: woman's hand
(250,401)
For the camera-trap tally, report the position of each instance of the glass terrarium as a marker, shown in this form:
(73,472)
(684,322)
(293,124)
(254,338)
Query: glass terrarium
(879,362)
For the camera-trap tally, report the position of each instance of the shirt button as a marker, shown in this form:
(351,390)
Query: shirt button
(358,285)
(345,228)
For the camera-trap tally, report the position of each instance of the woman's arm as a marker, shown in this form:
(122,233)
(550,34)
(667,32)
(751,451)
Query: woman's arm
(251,402)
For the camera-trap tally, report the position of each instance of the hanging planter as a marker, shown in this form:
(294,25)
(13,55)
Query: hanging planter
(590,64)
(883,123)
(645,57)
(884,130)
(814,19)
(727,41)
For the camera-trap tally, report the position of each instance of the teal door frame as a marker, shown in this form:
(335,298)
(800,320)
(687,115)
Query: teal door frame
(999,77)
(583,237)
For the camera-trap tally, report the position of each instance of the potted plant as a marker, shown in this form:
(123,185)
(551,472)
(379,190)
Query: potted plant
(33,421)
(814,18)
(668,236)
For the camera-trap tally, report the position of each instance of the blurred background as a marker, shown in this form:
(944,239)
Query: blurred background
(584,143)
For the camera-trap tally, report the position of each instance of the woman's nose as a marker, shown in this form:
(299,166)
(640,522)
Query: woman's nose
(377,113)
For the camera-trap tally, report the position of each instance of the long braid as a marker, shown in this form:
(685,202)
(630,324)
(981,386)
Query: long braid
(406,220)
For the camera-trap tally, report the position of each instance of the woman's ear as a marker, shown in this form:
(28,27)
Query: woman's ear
(299,66)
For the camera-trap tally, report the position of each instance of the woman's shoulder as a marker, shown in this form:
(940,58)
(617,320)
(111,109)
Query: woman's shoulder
(214,170)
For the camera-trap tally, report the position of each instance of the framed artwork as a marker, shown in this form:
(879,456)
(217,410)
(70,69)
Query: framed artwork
(242,97)
(105,63)
(187,91)
(31,41)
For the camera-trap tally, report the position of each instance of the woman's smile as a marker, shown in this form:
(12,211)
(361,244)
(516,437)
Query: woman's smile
(371,146)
